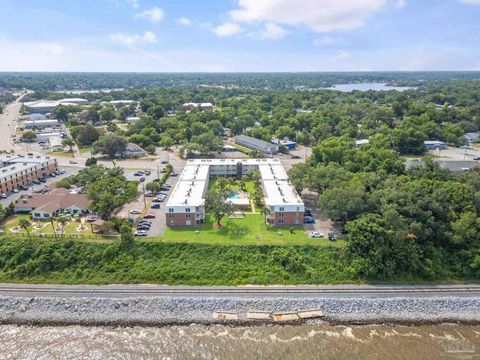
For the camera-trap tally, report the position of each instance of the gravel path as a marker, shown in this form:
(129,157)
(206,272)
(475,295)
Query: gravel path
(169,310)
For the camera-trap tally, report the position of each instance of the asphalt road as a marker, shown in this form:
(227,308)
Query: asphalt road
(328,291)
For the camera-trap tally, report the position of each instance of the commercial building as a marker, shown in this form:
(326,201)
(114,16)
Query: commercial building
(55,143)
(290,145)
(472,137)
(47,106)
(256,144)
(186,205)
(132,119)
(434,144)
(202,106)
(31,124)
(44,136)
(132,150)
(20,170)
(58,201)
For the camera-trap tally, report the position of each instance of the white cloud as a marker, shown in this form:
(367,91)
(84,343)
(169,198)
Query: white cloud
(325,41)
(472,2)
(273,31)
(154,15)
(228,29)
(184,21)
(318,15)
(133,3)
(134,39)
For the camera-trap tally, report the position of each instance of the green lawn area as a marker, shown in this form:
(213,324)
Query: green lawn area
(250,230)
(249,185)
(62,153)
(84,150)
(70,228)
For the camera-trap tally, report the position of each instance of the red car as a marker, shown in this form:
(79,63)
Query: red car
(149,216)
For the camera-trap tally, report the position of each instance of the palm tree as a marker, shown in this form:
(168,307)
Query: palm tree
(25,224)
(62,220)
(265,211)
(53,226)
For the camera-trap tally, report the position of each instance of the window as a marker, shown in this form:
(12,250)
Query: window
(282,209)
(187,209)
(187,216)
(171,216)
(281,221)
(170,210)
(281,215)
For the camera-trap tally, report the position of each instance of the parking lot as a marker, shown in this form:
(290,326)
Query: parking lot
(143,204)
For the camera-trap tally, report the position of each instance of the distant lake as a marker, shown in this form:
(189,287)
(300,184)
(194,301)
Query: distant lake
(368,86)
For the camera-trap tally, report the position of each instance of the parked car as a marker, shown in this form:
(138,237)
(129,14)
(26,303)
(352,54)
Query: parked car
(173,174)
(139,173)
(3,195)
(295,157)
(164,162)
(150,215)
(332,237)
(72,162)
(142,179)
(52,175)
(140,233)
(62,171)
(308,220)
(135,211)
(307,212)
(145,221)
(157,200)
(143,228)
(23,187)
(43,180)
(16,191)
(155,206)
(316,234)
(476,158)
(147,172)
(163,188)
(36,182)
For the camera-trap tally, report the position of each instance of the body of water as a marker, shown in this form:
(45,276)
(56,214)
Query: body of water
(368,86)
(223,342)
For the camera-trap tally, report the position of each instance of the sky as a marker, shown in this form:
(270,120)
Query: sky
(239,35)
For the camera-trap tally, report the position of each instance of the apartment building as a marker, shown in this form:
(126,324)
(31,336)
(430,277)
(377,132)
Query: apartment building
(20,170)
(186,205)
(256,144)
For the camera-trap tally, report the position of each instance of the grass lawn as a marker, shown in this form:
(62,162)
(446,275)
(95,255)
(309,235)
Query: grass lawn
(70,229)
(249,185)
(84,150)
(250,230)
(62,153)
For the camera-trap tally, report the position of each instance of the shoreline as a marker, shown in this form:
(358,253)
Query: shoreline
(183,311)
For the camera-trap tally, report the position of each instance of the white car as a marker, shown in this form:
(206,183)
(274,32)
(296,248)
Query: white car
(140,233)
(316,234)
(135,212)
(3,196)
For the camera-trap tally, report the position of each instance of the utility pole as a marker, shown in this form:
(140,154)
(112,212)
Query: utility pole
(144,198)
(158,172)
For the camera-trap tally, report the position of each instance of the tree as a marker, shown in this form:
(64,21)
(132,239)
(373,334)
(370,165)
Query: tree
(153,186)
(52,223)
(29,136)
(265,211)
(62,220)
(68,141)
(216,201)
(343,203)
(166,141)
(110,144)
(110,193)
(408,141)
(61,113)
(87,135)
(91,161)
(126,236)
(107,114)
(25,225)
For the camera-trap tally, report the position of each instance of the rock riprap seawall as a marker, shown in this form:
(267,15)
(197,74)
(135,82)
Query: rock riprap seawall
(165,310)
